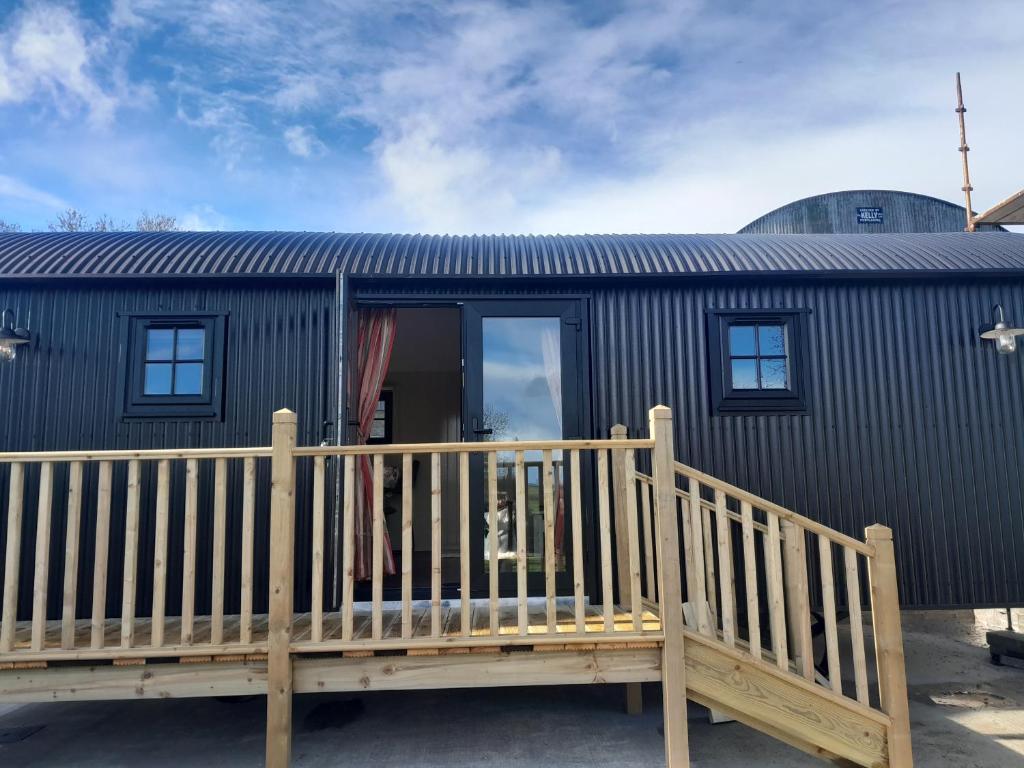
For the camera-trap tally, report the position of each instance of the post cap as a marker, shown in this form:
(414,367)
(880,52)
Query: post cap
(661,412)
(285,416)
(619,430)
(878,532)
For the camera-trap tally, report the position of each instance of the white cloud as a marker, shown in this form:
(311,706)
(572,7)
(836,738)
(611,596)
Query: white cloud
(202,218)
(302,141)
(44,51)
(15,189)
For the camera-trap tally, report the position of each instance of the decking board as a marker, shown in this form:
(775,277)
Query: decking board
(451,625)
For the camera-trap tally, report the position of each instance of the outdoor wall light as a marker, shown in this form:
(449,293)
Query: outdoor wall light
(10,337)
(1002,333)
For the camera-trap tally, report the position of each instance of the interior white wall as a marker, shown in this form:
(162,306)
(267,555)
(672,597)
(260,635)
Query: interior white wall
(425,376)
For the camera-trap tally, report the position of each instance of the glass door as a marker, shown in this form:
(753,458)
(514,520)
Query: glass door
(522,382)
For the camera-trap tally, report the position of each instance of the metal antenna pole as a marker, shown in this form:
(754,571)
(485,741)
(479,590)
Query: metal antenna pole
(964,149)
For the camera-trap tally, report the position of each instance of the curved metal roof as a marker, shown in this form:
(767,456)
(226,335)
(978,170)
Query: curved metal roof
(837,212)
(110,254)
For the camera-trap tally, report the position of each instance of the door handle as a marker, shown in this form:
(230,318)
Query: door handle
(483,431)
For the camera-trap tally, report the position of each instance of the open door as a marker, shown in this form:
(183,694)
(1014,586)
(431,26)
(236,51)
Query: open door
(523,378)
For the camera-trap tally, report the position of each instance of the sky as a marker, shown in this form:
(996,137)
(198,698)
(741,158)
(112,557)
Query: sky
(479,116)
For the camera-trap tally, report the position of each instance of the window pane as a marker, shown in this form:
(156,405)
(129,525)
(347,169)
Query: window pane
(188,379)
(773,374)
(744,374)
(378,429)
(190,343)
(159,343)
(157,379)
(741,340)
(772,339)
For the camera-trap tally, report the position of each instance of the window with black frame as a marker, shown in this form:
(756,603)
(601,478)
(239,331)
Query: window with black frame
(756,360)
(174,366)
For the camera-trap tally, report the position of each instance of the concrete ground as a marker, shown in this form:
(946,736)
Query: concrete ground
(979,724)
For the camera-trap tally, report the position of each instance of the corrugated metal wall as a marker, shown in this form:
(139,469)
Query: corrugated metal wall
(61,395)
(912,421)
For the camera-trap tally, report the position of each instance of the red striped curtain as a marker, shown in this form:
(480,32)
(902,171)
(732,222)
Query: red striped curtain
(376,338)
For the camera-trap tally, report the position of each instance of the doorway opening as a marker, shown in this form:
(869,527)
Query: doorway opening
(421,402)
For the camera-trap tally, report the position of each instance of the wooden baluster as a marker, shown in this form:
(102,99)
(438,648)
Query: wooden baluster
(220,489)
(67,631)
(605,526)
(348,545)
(492,539)
(699,598)
(689,568)
(12,559)
(188,569)
(620,517)
(633,533)
(726,577)
(465,594)
(163,503)
(860,672)
(248,531)
(523,620)
(407,553)
(377,611)
(316,598)
(549,542)
(828,599)
(673,662)
(645,513)
(131,554)
(710,580)
(885,616)
(435,545)
(579,607)
(42,556)
(102,551)
(776,592)
(750,577)
(797,597)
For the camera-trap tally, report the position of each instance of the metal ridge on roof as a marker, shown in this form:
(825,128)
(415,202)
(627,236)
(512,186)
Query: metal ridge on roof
(120,254)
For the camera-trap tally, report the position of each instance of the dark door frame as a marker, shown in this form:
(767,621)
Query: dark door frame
(351,295)
(570,312)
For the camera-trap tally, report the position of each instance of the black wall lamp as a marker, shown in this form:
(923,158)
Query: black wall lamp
(10,337)
(1002,332)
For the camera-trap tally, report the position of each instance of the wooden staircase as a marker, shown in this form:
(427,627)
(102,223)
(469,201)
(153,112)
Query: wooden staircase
(748,647)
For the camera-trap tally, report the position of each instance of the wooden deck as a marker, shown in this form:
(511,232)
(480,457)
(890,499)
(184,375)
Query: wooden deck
(450,632)
(764,675)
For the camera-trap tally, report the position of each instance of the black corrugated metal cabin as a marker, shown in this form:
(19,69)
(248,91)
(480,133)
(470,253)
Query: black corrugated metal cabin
(842,376)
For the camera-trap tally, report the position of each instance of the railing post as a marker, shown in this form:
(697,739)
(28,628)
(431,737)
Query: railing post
(282,553)
(885,618)
(673,670)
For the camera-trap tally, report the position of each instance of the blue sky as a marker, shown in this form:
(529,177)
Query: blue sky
(414,116)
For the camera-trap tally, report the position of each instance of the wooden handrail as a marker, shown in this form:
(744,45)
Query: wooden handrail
(781,512)
(475,447)
(146,455)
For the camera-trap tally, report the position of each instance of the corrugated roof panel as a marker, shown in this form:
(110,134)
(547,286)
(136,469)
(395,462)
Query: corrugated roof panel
(45,254)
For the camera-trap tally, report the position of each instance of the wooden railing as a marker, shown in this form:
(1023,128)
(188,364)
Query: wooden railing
(748,559)
(123,496)
(142,511)
(568,613)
